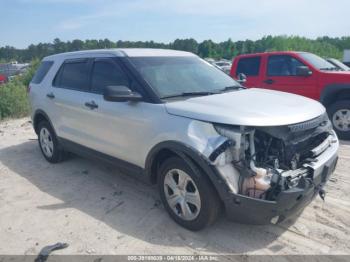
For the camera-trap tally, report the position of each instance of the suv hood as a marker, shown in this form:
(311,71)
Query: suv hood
(249,107)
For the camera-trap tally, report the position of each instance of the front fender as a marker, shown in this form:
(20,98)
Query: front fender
(188,153)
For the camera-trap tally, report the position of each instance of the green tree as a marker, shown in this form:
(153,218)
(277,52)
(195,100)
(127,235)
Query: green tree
(323,46)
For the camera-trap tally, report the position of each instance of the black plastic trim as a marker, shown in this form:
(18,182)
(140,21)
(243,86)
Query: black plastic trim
(181,149)
(330,93)
(41,112)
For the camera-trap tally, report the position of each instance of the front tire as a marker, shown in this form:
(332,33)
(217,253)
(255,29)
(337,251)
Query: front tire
(48,143)
(187,194)
(339,114)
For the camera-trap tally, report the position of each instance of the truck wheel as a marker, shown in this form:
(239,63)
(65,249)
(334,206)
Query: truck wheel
(339,114)
(48,143)
(187,194)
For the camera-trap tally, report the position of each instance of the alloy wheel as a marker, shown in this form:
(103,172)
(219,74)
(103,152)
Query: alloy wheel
(46,142)
(341,120)
(182,194)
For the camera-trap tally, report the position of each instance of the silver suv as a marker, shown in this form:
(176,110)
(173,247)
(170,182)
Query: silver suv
(179,122)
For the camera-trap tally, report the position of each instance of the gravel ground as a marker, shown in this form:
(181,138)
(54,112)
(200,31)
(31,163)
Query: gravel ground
(98,210)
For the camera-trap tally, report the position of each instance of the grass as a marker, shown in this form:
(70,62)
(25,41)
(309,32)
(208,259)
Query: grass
(14,101)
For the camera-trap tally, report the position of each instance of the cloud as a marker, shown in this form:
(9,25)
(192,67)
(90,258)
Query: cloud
(57,1)
(254,17)
(103,10)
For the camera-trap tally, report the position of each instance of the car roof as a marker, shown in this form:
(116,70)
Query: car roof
(271,53)
(122,52)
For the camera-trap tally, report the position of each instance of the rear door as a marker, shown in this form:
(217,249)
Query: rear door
(280,74)
(251,67)
(69,93)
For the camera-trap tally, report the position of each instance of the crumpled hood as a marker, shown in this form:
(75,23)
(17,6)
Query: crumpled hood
(249,107)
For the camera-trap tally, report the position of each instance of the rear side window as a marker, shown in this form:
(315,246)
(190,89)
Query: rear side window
(41,72)
(74,74)
(282,65)
(249,66)
(107,73)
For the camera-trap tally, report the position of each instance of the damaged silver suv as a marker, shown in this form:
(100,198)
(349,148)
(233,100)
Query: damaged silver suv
(179,122)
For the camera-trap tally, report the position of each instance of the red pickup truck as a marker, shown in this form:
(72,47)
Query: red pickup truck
(3,79)
(300,73)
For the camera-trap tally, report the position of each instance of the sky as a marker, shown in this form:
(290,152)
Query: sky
(25,22)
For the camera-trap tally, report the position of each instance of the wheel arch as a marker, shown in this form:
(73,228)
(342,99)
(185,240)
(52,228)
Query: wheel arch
(39,116)
(167,149)
(335,92)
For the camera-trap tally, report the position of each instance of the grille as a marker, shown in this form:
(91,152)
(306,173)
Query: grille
(318,121)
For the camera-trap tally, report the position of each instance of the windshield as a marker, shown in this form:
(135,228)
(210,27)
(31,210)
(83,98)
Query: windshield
(339,64)
(177,76)
(317,61)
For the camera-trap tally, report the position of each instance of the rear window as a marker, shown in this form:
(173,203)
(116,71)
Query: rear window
(249,66)
(73,74)
(41,72)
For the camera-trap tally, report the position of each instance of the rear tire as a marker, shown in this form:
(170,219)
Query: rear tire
(191,201)
(339,114)
(48,143)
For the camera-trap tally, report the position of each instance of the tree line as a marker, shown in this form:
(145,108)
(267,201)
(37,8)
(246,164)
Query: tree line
(323,46)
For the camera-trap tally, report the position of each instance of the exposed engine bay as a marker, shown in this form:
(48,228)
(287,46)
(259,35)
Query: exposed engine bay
(265,161)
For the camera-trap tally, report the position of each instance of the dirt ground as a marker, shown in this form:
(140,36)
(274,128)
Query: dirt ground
(97,210)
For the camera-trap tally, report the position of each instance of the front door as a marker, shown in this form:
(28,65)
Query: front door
(250,67)
(118,129)
(281,75)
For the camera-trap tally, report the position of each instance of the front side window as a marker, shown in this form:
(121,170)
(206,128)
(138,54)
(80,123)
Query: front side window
(74,75)
(172,76)
(249,66)
(282,65)
(41,72)
(107,73)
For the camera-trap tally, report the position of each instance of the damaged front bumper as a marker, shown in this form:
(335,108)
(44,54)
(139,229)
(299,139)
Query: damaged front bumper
(241,208)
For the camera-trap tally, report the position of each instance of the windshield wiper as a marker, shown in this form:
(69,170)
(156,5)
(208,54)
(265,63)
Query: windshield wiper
(329,69)
(197,93)
(229,88)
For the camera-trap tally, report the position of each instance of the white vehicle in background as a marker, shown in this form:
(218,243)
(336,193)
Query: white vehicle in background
(223,64)
(346,57)
(13,69)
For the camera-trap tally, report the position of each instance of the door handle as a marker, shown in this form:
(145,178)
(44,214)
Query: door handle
(269,81)
(50,95)
(92,105)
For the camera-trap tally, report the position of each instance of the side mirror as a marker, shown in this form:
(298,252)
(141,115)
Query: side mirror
(303,71)
(120,94)
(241,78)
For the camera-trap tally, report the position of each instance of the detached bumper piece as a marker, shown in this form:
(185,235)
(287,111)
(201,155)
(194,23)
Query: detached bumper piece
(289,203)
